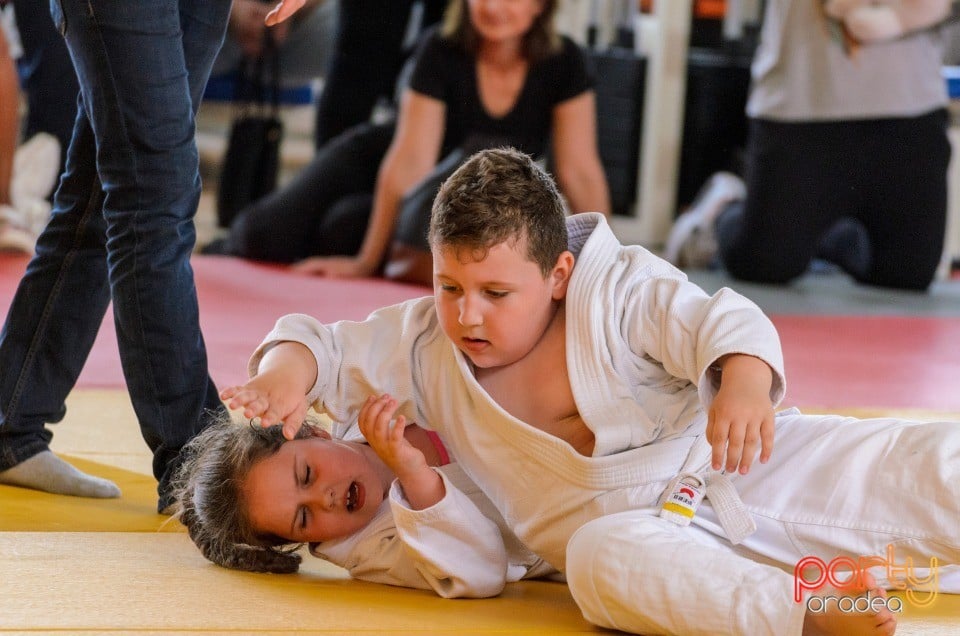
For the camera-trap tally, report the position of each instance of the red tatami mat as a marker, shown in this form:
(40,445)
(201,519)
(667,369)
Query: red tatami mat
(832,362)
(884,362)
(239,303)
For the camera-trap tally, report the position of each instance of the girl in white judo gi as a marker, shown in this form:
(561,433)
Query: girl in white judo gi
(250,498)
(589,401)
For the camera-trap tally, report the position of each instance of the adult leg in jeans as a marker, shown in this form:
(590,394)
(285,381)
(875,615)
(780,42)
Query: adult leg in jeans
(120,232)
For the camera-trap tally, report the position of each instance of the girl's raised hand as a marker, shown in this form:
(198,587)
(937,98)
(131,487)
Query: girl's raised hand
(385,436)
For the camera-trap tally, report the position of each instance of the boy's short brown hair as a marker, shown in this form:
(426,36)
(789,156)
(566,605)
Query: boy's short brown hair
(500,196)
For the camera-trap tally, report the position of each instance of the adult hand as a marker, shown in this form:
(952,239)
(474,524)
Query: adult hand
(839,9)
(247,24)
(283,10)
(333,267)
(874,24)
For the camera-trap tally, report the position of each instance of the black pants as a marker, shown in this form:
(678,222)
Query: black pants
(50,82)
(888,174)
(367,58)
(324,210)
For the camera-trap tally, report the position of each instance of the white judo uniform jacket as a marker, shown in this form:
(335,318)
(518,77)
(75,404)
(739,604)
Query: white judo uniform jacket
(460,547)
(640,340)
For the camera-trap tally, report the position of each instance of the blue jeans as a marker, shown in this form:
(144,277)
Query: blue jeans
(121,231)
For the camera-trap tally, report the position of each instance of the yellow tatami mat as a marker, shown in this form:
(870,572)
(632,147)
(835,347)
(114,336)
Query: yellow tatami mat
(138,582)
(135,511)
(85,566)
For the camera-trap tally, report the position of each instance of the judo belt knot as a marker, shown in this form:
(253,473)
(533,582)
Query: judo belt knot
(685,492)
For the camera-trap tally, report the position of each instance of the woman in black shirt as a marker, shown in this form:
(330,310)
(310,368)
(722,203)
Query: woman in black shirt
(495,74)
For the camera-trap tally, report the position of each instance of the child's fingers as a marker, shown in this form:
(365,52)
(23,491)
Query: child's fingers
(718,440)
(378,412)
(364,418)
(396,433)
(252,403)
(735,441)
(237,396)
(293,421)
(751,444)
(767,433)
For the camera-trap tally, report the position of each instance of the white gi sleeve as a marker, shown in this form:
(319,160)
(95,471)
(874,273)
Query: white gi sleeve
(686,330)
(357,359)
(453,546)
(450,548)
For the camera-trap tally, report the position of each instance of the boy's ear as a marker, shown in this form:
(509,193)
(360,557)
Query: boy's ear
(561,274)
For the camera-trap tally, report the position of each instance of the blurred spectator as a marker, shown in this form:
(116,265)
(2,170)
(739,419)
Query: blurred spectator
(847,153)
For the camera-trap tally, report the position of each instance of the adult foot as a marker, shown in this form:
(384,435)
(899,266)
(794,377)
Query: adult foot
(692,241)
(47,472)
(14,239)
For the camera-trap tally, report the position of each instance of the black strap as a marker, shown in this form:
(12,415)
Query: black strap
(258,79)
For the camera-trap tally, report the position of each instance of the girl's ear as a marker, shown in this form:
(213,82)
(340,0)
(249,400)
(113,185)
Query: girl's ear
(317,431)
(561,273)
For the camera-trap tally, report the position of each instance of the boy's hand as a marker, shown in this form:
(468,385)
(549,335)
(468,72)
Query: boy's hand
(386,436)
(741,417)
(272,397)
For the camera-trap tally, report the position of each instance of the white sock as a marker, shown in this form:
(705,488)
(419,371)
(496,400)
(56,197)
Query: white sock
(47,472)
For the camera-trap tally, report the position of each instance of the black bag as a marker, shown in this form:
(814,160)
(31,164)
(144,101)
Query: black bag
(252,160)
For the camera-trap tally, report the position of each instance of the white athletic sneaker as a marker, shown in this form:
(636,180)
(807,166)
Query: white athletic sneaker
(12,237)
(36,166)
(33,214)
(692,241)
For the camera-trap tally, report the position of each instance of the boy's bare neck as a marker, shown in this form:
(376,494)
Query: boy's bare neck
(536,388)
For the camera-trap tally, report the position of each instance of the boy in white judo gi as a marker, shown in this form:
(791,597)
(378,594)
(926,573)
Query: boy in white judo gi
(587,386)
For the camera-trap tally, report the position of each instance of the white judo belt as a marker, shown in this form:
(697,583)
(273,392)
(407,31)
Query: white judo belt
(682,496)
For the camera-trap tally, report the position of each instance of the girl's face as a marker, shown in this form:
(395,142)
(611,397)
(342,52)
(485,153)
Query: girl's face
(503,20)
(313,490)
(495,310)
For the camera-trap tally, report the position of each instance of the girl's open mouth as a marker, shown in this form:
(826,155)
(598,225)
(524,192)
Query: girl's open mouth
(355,497)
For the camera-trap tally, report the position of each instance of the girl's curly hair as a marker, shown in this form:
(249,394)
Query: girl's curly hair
(209,496)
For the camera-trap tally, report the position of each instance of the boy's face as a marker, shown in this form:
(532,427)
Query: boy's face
(496,309)
(313,489)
